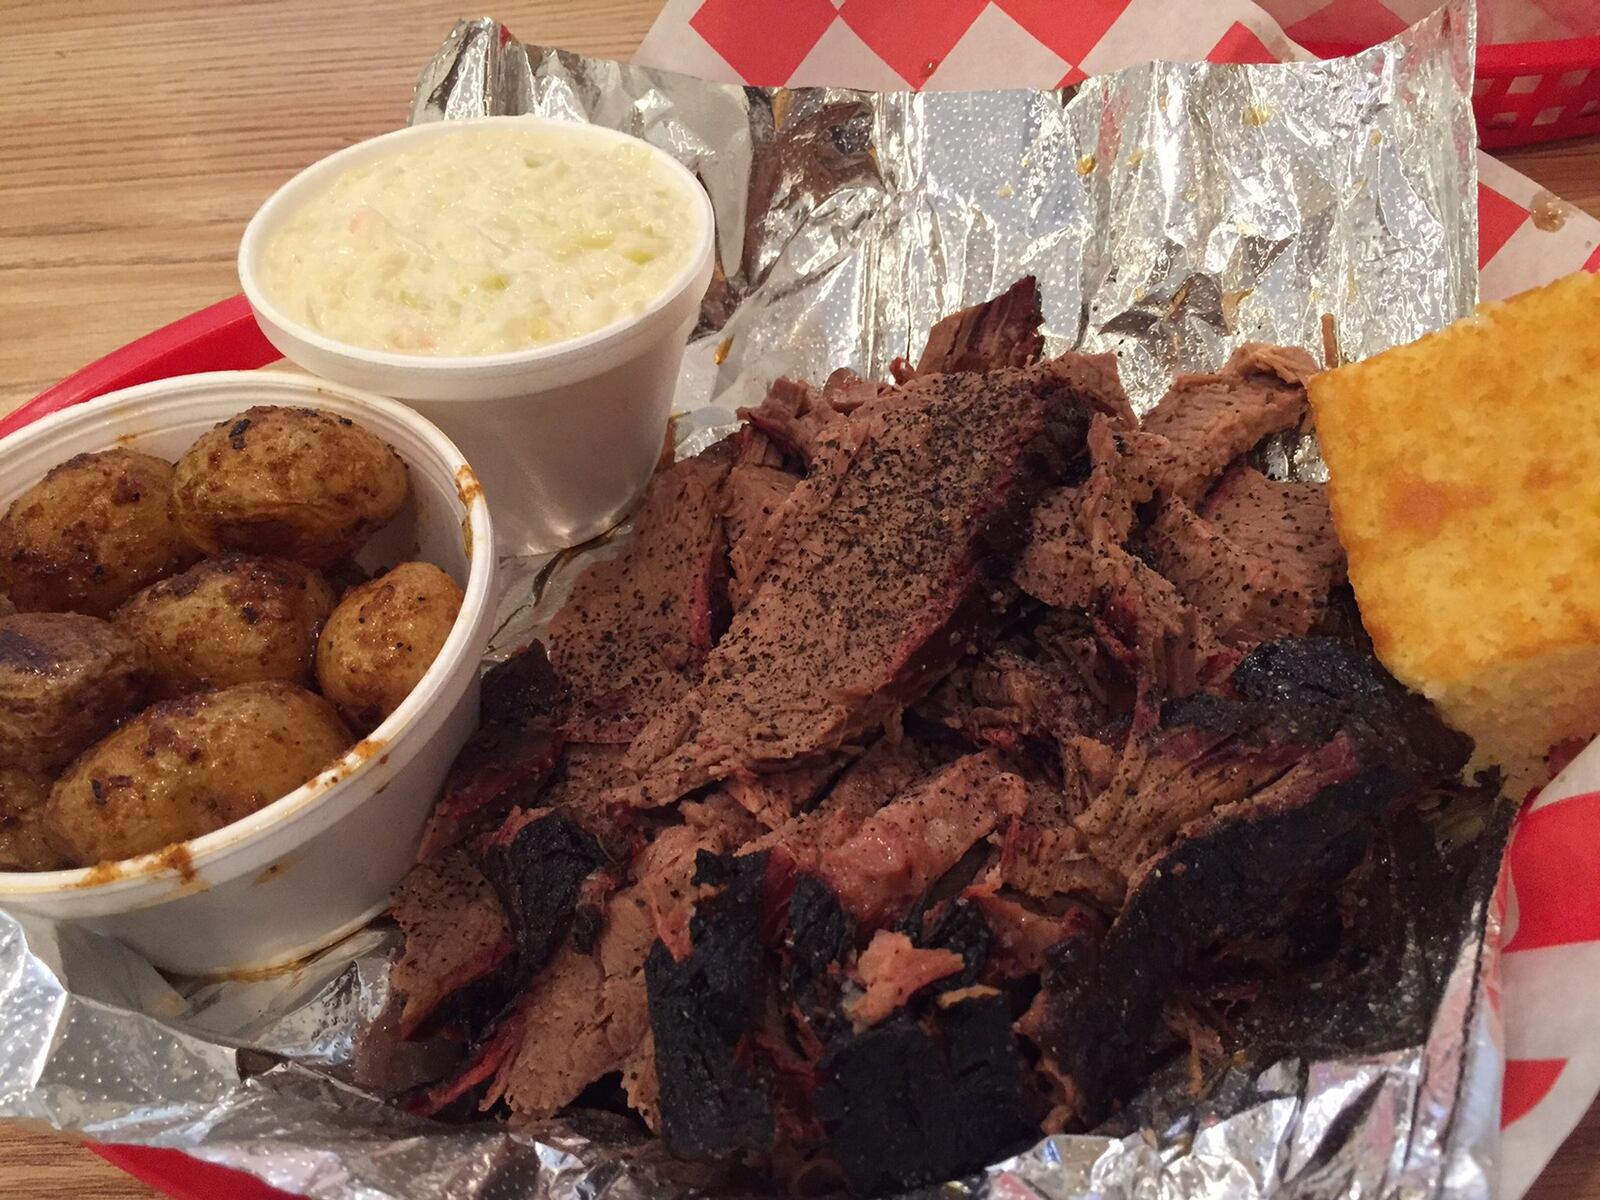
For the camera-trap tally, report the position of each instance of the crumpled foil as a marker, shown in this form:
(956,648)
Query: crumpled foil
(1170,212)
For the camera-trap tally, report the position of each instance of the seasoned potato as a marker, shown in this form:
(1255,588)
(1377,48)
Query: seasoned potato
(288,482)
(382,638)
(91,533)
(23,845)
(231,619)
(185,767)
(65,681)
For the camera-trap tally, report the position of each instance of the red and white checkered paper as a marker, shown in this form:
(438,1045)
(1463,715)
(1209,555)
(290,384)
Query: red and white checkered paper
(1550,966)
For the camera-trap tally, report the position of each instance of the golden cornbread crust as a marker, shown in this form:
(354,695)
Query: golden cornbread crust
(1465,486)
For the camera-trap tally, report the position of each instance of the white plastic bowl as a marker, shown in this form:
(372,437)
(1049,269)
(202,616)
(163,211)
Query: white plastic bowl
(320,862)
(564,436)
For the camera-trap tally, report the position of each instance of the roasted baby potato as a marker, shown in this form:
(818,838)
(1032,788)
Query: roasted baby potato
(186,767)
(91,533)
(65,681)
(23,844)
(290,483)
(231,619)
(382,638)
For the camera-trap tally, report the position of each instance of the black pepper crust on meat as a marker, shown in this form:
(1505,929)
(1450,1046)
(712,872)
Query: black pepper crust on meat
(938,764)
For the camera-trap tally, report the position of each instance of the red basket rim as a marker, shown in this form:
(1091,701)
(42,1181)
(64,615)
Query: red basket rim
(1561,54)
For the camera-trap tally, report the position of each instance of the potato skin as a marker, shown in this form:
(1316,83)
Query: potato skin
(65,681)
(382,638)
(292,483)
(23,844)
(186,767)
(92,532)
(231,619)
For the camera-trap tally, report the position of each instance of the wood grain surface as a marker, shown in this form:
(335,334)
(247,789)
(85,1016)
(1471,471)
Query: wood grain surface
(137,139)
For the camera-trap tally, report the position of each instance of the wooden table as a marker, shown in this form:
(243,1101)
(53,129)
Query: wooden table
(136,140)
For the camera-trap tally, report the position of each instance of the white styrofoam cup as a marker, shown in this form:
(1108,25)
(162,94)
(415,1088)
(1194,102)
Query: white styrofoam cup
(564,436)
(320,862)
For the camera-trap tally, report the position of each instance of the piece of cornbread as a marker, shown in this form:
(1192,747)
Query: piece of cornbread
(1465,485)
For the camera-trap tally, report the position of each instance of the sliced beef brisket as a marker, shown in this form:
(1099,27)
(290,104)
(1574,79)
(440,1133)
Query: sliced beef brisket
(632,636)
(1002,332)
(1208,421)
(901,849)
(704,1009)
(1260,566)
(800,419)
(510,758)
(904,713)
(884,561)
(456,933)
(1247,865)
(887,769)
(584,1016)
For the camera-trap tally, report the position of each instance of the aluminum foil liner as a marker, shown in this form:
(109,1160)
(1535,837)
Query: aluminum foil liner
(1169,212)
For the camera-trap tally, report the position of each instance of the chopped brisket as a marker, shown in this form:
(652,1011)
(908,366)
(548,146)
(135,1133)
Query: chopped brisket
(750,496)
(899,851)
(905,1105)
(1045,862)
(751,500)
(1002,332)
(631,637)
(666,867)
(1246,867)
(882,563)
(1248,597)
(703,1009)
(538,867)
(775,798)
(799,418)
(1286,521)
(586,1015)
(1229,877)
(478,1067)
(1077,558)
(1004,698)
(509,759)
(904,711)
(455,934)
(1323,683)
(893,970)
(817,937)
(1175,774)
(1023,935)
(1260,565)
(887,769)
(959,926)
(584,773)
(1210,420)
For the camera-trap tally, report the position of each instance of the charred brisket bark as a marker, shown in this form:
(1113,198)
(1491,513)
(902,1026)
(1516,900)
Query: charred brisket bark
(539,874)
(1250,867)
(702,1011)
(511,756)
(914,1102)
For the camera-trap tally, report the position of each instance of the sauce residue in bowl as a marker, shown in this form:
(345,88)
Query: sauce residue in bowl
(483,242)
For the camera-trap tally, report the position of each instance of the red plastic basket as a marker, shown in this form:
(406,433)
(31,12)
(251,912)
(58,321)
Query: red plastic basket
(1526,92)
(1537,91)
